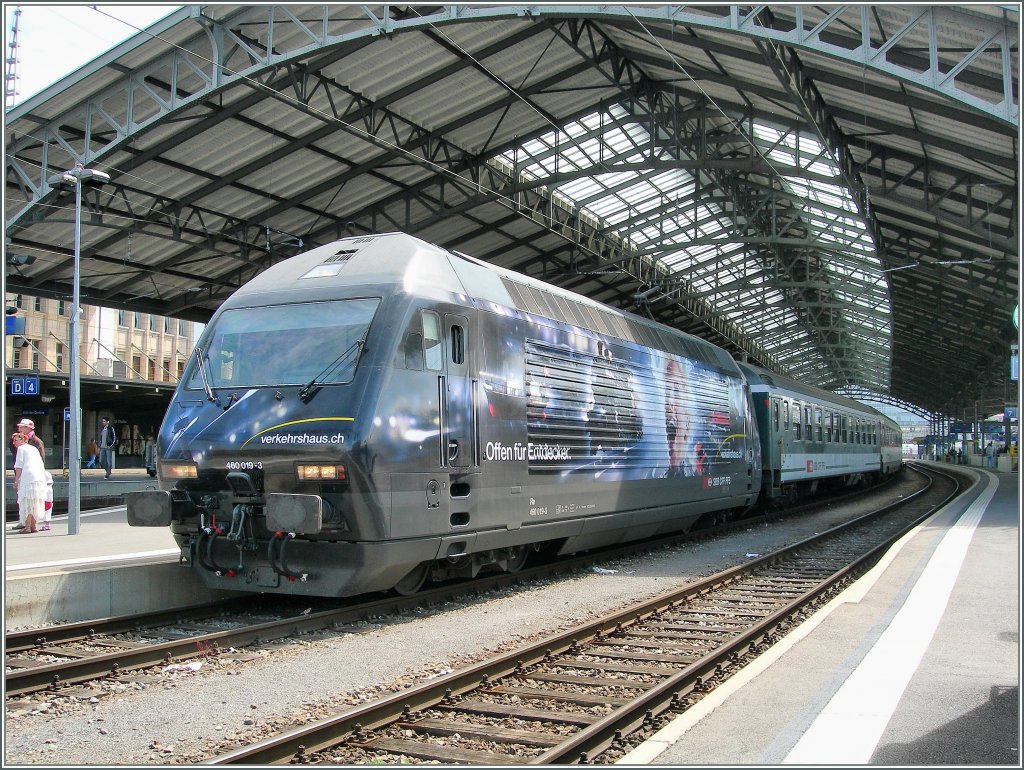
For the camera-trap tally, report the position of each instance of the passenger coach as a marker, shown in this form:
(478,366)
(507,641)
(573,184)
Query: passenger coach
(811,437)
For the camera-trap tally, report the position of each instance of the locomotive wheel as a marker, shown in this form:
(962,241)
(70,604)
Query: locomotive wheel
(516,560)
(414,581)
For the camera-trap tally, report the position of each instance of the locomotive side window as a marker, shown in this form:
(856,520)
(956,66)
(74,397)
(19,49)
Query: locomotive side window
(458,343)
(432,340)
(412,351)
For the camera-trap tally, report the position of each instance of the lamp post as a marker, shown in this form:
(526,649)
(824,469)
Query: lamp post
(76,178)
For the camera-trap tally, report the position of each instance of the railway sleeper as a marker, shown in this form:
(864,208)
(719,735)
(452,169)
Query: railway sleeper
(438,752)
(485,708)
(495,733)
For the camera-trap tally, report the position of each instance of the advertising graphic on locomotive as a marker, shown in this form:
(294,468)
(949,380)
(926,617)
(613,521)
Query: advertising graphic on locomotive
(380,411)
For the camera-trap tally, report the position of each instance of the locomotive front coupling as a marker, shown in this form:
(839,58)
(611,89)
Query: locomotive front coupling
(300,514)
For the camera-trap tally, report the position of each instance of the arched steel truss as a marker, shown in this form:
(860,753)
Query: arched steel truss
(284,62)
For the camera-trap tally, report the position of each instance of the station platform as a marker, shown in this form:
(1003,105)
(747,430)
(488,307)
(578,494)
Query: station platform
(917,663)
(96,491)
(107,568)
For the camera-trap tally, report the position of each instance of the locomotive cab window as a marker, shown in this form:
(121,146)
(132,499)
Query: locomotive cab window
(283,345)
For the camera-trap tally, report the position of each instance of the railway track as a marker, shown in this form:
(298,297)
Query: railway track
(571,697)
(57,658)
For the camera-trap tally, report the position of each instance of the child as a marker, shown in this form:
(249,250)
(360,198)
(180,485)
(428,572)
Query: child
(48,505)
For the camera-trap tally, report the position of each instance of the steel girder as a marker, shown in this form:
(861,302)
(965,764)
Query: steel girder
(172,86)
(110,118)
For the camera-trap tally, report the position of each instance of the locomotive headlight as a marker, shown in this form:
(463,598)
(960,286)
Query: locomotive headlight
(320,472)
(173,471)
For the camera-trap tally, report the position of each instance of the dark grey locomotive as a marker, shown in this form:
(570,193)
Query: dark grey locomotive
(379,409)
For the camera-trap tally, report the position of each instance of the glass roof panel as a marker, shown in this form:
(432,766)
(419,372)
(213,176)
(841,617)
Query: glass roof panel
(656,213)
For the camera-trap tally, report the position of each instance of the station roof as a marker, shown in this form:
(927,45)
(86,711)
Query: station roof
(830,192)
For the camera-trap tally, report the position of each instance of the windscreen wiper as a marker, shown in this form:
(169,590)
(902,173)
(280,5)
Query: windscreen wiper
(210,395)
(310,388)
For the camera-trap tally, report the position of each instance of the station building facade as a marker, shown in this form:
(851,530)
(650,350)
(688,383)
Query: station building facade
(129,365)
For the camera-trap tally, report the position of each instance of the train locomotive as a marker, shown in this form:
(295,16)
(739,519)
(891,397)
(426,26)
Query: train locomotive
(380,411)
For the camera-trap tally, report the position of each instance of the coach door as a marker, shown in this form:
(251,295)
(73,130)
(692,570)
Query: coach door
(457,424)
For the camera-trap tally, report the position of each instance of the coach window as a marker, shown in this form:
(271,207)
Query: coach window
(785,415)
(796,422)
(432,340)
(817,420)
(809,435)
(775,414)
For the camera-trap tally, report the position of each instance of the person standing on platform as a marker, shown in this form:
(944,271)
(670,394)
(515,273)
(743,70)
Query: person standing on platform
(48,505)
(27,428)
(108,440)
(29,484)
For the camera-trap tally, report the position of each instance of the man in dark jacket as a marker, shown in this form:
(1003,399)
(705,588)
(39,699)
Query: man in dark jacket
(108,440)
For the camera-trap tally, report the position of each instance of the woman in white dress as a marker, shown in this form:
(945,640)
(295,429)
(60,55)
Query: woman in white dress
(29,484)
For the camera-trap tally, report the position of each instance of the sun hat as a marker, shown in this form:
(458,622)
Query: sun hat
(26,423)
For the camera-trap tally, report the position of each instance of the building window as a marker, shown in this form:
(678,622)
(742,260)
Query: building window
(181,369)
(165,375)
(62,308)
(152,371)
(122,318)
(137,366)
(59,356)
(16,358)
(152,323)
(35,356)
(37,304)
(18,303)
(182,331)
(167,325)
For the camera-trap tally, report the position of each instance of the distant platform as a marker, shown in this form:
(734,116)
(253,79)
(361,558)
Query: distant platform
(97,492)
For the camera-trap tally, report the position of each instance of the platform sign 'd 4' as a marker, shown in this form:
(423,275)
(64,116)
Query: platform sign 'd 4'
(24,386)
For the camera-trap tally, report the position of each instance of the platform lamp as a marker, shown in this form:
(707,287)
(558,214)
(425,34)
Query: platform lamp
(75,179)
